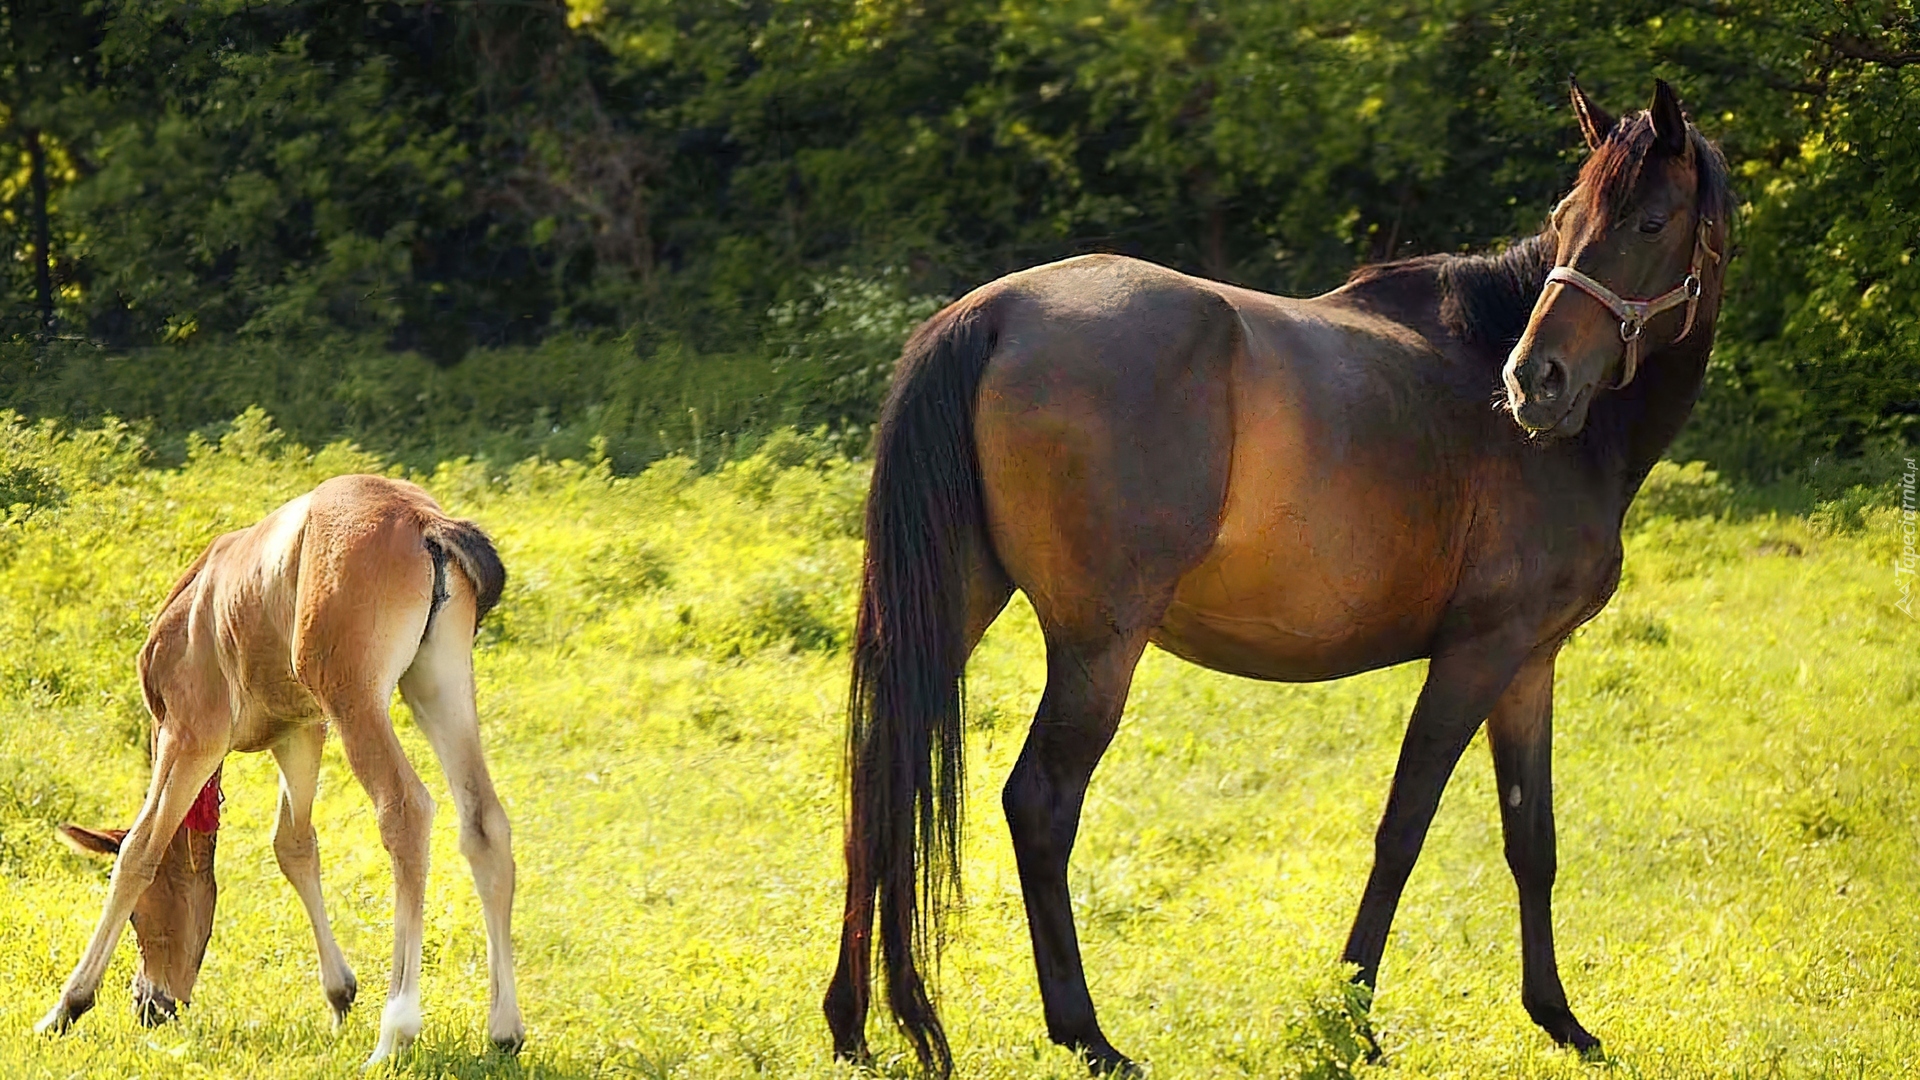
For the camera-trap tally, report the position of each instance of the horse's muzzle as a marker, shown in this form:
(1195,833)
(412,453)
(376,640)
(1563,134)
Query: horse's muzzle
(1538,396)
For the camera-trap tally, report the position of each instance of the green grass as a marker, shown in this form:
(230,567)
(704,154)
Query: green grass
(661,695)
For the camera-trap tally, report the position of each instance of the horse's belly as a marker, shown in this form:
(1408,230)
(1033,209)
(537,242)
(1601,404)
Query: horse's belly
(1285,611)
(1339,541)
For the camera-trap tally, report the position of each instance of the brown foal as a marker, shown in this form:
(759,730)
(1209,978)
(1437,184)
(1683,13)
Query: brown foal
(312,616)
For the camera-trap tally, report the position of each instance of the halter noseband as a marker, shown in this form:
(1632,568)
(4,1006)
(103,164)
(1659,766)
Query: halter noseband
(1635,314)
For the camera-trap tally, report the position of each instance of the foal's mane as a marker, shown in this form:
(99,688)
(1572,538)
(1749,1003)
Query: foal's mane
(1485,300)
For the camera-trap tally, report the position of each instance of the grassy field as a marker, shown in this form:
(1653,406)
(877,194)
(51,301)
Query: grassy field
(661,692)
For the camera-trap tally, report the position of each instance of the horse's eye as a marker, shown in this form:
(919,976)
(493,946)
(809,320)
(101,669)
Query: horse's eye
(1653,225)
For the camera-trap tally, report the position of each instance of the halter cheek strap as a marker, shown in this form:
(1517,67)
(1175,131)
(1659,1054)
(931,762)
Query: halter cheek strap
(1635,314)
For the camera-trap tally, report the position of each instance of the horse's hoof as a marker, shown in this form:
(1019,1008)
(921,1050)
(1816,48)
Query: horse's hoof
(63,1015)
(1560,1026)
(856,1055)
(1586,1046)
(1106,1061)
(1369,1045)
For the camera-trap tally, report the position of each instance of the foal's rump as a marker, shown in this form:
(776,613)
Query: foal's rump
(328,597)
(378,562)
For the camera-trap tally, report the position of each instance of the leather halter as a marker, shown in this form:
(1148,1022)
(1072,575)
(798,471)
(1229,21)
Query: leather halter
(1635,314)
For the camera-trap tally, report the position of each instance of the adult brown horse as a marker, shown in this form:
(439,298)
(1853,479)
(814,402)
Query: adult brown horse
(1278,488)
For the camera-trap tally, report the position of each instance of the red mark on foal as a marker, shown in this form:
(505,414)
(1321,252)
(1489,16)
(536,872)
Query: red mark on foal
(204,815)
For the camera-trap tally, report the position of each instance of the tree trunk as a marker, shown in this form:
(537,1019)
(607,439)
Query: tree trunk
(42,234)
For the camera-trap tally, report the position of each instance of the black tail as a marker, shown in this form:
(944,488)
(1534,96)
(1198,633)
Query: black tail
(904,746)
(469,547)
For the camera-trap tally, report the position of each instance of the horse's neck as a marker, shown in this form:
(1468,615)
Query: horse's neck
(1633,427)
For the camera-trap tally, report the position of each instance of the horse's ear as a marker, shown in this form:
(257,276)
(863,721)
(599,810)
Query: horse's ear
(1669,121)
(92,841)
(1595,122)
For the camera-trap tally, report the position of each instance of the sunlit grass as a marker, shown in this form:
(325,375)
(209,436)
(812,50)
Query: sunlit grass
(661,695)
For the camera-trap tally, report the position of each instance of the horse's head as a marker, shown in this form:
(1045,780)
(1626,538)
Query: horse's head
(1637,252)
(172,920)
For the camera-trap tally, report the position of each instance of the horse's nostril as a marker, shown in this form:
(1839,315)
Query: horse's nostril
(1553,382)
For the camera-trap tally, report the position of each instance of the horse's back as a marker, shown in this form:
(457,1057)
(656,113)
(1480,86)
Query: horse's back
(1267,482)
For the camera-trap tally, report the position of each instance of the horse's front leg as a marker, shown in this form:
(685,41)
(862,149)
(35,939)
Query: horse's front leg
(1520,733)
(297,850)
(1079,712)
(182,764)
(1461,688)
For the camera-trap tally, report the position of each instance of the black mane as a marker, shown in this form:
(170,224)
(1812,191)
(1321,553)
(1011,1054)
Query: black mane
(1487,299)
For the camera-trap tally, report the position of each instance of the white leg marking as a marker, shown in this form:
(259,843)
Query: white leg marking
(400,1024)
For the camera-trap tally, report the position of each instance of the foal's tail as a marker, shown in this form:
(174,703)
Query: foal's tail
(904,729)
(469,547)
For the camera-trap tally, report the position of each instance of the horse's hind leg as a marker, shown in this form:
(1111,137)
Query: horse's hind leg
(298,851)
(1520,734)
(1087,683)
(439,687)
(405,811)
(849,991)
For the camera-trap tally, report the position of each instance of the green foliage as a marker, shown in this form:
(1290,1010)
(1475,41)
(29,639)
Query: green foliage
(836,346)
(709,180)
(1735,792)
(757,555)
(553,399)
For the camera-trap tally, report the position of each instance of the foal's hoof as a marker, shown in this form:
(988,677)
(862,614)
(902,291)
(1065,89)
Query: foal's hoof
(63,1015)
(340,999)
(510,1045)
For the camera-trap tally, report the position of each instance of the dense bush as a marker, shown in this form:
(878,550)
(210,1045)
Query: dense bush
(822,370)
(247,181)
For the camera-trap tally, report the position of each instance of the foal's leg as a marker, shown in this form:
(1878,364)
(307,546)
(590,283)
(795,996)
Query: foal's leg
(439,689)
(1087,687)
(1520,733)
(406,822)
(1461,688)
(298,851)
(182,763)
